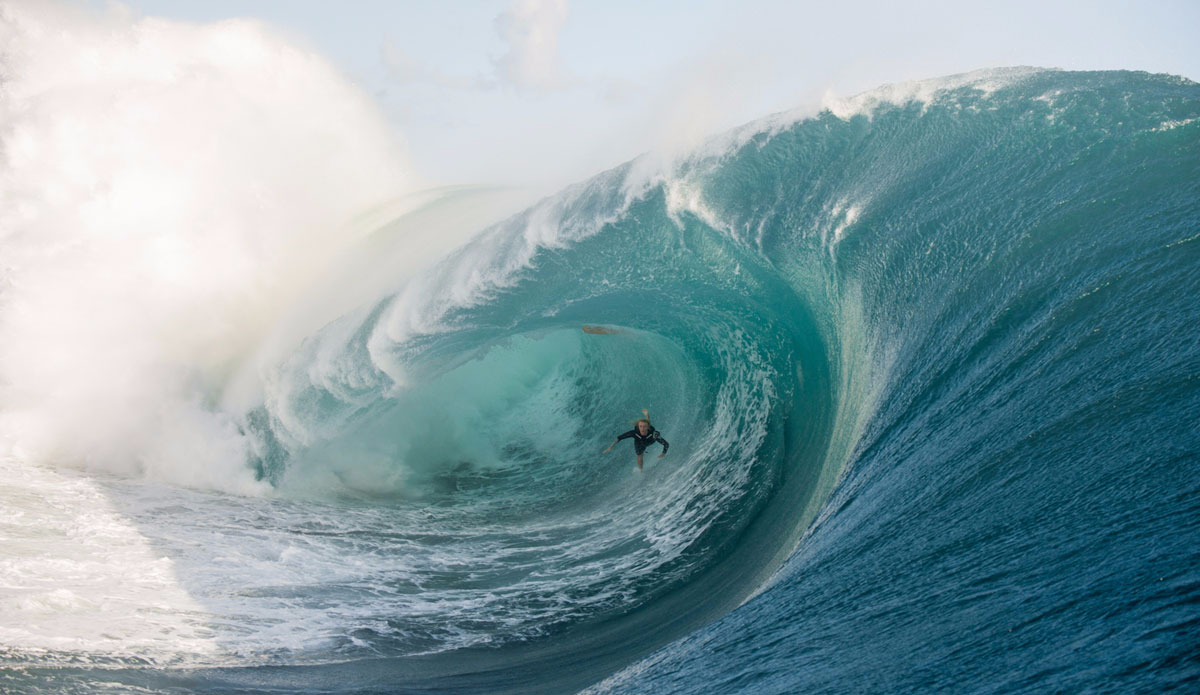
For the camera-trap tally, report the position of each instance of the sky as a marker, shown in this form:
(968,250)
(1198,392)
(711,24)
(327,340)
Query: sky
(545,92)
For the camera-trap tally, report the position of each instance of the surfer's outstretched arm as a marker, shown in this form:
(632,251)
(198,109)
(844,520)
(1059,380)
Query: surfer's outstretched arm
(627,435)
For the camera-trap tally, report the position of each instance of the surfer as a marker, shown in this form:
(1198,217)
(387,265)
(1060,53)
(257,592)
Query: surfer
(643,436)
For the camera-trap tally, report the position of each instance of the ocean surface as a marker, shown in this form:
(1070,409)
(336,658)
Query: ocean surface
(928,360)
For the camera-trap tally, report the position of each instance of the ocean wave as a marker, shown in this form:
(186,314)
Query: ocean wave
(909,350)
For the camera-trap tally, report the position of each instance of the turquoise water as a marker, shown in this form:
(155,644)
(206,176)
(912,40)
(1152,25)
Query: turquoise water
(929,368)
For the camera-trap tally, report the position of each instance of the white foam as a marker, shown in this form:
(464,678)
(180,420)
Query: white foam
(925,91)
(1173,124)
(170,189)
(76,577)
(492,261)
(843,215)
(684,195)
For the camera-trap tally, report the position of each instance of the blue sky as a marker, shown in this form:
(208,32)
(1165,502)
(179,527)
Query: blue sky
(547,91)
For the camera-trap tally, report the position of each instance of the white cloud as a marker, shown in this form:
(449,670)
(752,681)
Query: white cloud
(531,28)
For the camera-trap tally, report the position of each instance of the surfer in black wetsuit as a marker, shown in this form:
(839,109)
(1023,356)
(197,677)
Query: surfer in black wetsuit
(643,436)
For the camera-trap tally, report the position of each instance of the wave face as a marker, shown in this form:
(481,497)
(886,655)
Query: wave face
(1019,511)
(927,361)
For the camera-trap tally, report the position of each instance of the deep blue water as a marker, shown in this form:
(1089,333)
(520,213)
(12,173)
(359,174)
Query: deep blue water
(930,369)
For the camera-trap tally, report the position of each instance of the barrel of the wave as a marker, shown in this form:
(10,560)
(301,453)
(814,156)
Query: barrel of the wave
(494,440)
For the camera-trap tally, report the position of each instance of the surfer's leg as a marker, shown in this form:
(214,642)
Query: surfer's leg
(639,449)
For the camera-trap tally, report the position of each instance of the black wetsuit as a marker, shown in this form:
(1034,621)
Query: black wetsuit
(641,442)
